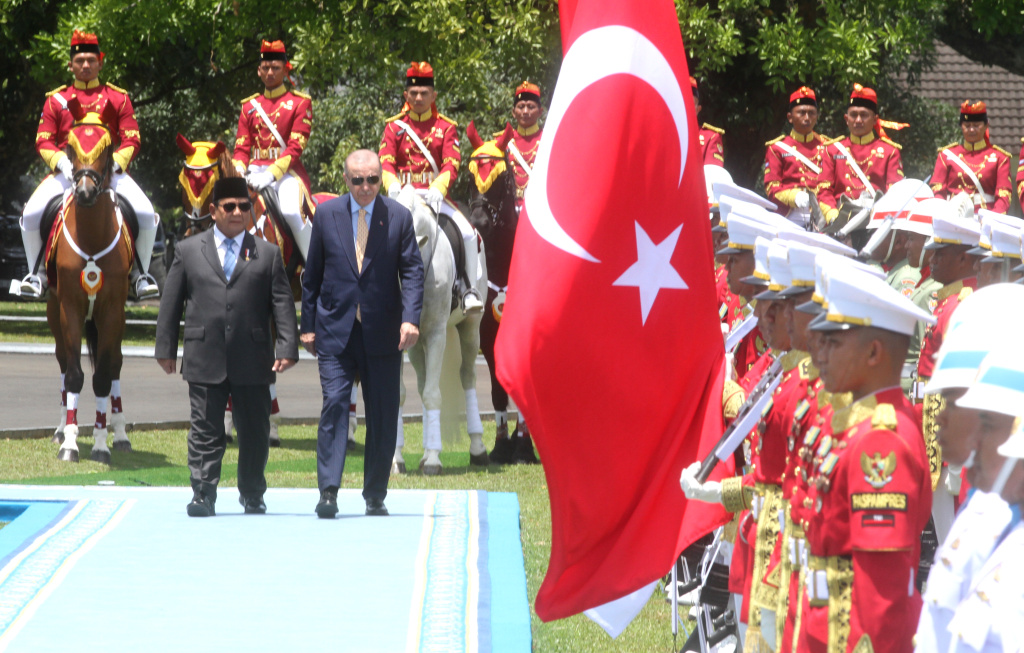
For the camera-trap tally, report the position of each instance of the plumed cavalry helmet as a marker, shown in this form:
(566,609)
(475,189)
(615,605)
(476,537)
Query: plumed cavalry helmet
(526,91)
(420,73)
(82,42)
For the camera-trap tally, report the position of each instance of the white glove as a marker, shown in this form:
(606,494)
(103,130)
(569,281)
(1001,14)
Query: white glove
(802,199)
(65,168)
(953,480)
(117,168)
(434,199)
(260,180)
(768,628)
(709,492)
(395,190)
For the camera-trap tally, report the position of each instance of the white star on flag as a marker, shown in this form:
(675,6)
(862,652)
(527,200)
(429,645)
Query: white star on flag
(653,269)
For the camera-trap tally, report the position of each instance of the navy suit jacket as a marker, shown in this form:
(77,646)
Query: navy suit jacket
(389,291)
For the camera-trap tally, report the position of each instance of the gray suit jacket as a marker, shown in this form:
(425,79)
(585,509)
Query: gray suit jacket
(228,323)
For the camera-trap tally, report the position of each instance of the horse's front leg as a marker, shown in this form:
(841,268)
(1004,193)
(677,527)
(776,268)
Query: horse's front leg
(469,341)
(74,378)
(428,361)
(53,321)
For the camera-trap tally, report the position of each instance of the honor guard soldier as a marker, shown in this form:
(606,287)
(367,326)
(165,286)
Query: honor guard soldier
(1020,173)
(991,617)
(420,147)
(953,267)
(1000,246)
(986,321)
(916,226)
(710,137)
(273,130)
(525,141)
(868,494)
(975,167)
(51,141)
(792,162)
(859,166)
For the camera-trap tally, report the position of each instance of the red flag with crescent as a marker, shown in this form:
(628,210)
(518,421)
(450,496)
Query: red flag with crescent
(610,341)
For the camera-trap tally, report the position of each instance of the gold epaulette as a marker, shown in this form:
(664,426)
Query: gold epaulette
(805,368)
(824,138)
(717,130)
(61,88)
(965,292)
(886,139)
(116,88)
(396,117)
(829,141)
(999,149)
(946,147)
(884,417)
(774,141)
(251,97)
(301,95)
(444,117)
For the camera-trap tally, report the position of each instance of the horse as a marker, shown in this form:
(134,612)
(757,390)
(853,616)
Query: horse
(440,314)
(91,257)
(494,215)
(205,163)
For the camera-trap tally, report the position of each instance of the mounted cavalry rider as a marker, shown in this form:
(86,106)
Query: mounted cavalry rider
(525,142)
(858,167)
(51,141)
(421,147)
(792,162)
(976,166)
(273,129)
(710,137)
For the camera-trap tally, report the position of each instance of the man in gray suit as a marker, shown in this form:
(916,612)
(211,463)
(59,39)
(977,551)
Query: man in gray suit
(235,287)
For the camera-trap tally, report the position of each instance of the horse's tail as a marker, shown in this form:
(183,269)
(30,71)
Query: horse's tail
(92,338)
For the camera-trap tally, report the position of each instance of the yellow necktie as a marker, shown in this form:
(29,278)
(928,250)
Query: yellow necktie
(362,233)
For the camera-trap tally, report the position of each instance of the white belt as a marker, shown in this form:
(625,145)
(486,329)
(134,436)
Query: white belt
(978,197)
(817,585)
(756,505)
(416,178)
(797,552)
(917,391)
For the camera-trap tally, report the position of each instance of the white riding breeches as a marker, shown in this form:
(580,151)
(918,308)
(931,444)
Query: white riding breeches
(468,238)
(289,196)
(122,184)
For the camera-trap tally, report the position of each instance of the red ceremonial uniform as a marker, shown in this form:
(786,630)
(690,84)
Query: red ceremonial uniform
(291,113)
(878,158)
(56,121)
(785,173)
(750,350)
(730,306)
(711,145)
(949,297)
(1020,173)
(868,502)
(403,161)
(527,143)
(990,164)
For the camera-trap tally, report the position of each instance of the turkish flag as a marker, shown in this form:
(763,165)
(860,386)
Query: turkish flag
(610,341)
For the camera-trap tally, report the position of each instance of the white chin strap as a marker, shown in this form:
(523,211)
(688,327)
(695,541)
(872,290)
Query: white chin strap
(1004,475)
(969,463)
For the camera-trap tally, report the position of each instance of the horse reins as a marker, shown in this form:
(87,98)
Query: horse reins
(92,275)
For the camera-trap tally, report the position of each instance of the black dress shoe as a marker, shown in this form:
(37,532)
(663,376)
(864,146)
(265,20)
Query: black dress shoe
(327,508)
(253,505)
(201,506)
(376,508)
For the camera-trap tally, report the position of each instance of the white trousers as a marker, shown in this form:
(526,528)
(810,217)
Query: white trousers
(289,196)
(121,183)
(468,238)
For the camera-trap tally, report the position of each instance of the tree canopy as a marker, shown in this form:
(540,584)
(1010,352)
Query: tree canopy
(188,63)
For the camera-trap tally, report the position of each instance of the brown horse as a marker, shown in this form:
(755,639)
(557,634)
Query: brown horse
(90,260)
(493,214)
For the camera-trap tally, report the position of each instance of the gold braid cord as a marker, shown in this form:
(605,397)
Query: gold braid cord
(933,405)
(785,570)
(839,573)
(763,595)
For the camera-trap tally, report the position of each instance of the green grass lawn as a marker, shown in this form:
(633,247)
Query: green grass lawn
(39,332)
(159,458)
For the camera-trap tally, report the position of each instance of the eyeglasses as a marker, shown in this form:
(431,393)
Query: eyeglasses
(358,181)
(229,207)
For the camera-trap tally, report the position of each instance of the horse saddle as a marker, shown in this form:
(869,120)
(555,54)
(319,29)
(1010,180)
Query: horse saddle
(454,235)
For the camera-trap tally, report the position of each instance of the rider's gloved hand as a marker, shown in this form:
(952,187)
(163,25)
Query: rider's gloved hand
(395,190)
(65,168)
(434,199)
(260,180)
(117,168)
(802,199)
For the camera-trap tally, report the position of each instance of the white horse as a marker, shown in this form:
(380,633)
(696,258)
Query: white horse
(438,315)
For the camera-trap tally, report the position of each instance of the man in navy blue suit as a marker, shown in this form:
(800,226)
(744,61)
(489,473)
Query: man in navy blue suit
(362,292)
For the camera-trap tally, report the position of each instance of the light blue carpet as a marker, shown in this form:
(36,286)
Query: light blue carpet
(125,569)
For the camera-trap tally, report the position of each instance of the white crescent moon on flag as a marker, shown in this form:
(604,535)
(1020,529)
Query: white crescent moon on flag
(600,53)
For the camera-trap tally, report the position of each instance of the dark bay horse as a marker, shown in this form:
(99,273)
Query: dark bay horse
(90,260)
(493,214)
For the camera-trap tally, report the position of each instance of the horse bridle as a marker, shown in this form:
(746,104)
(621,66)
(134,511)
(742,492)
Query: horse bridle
(494,213)
(92,175)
